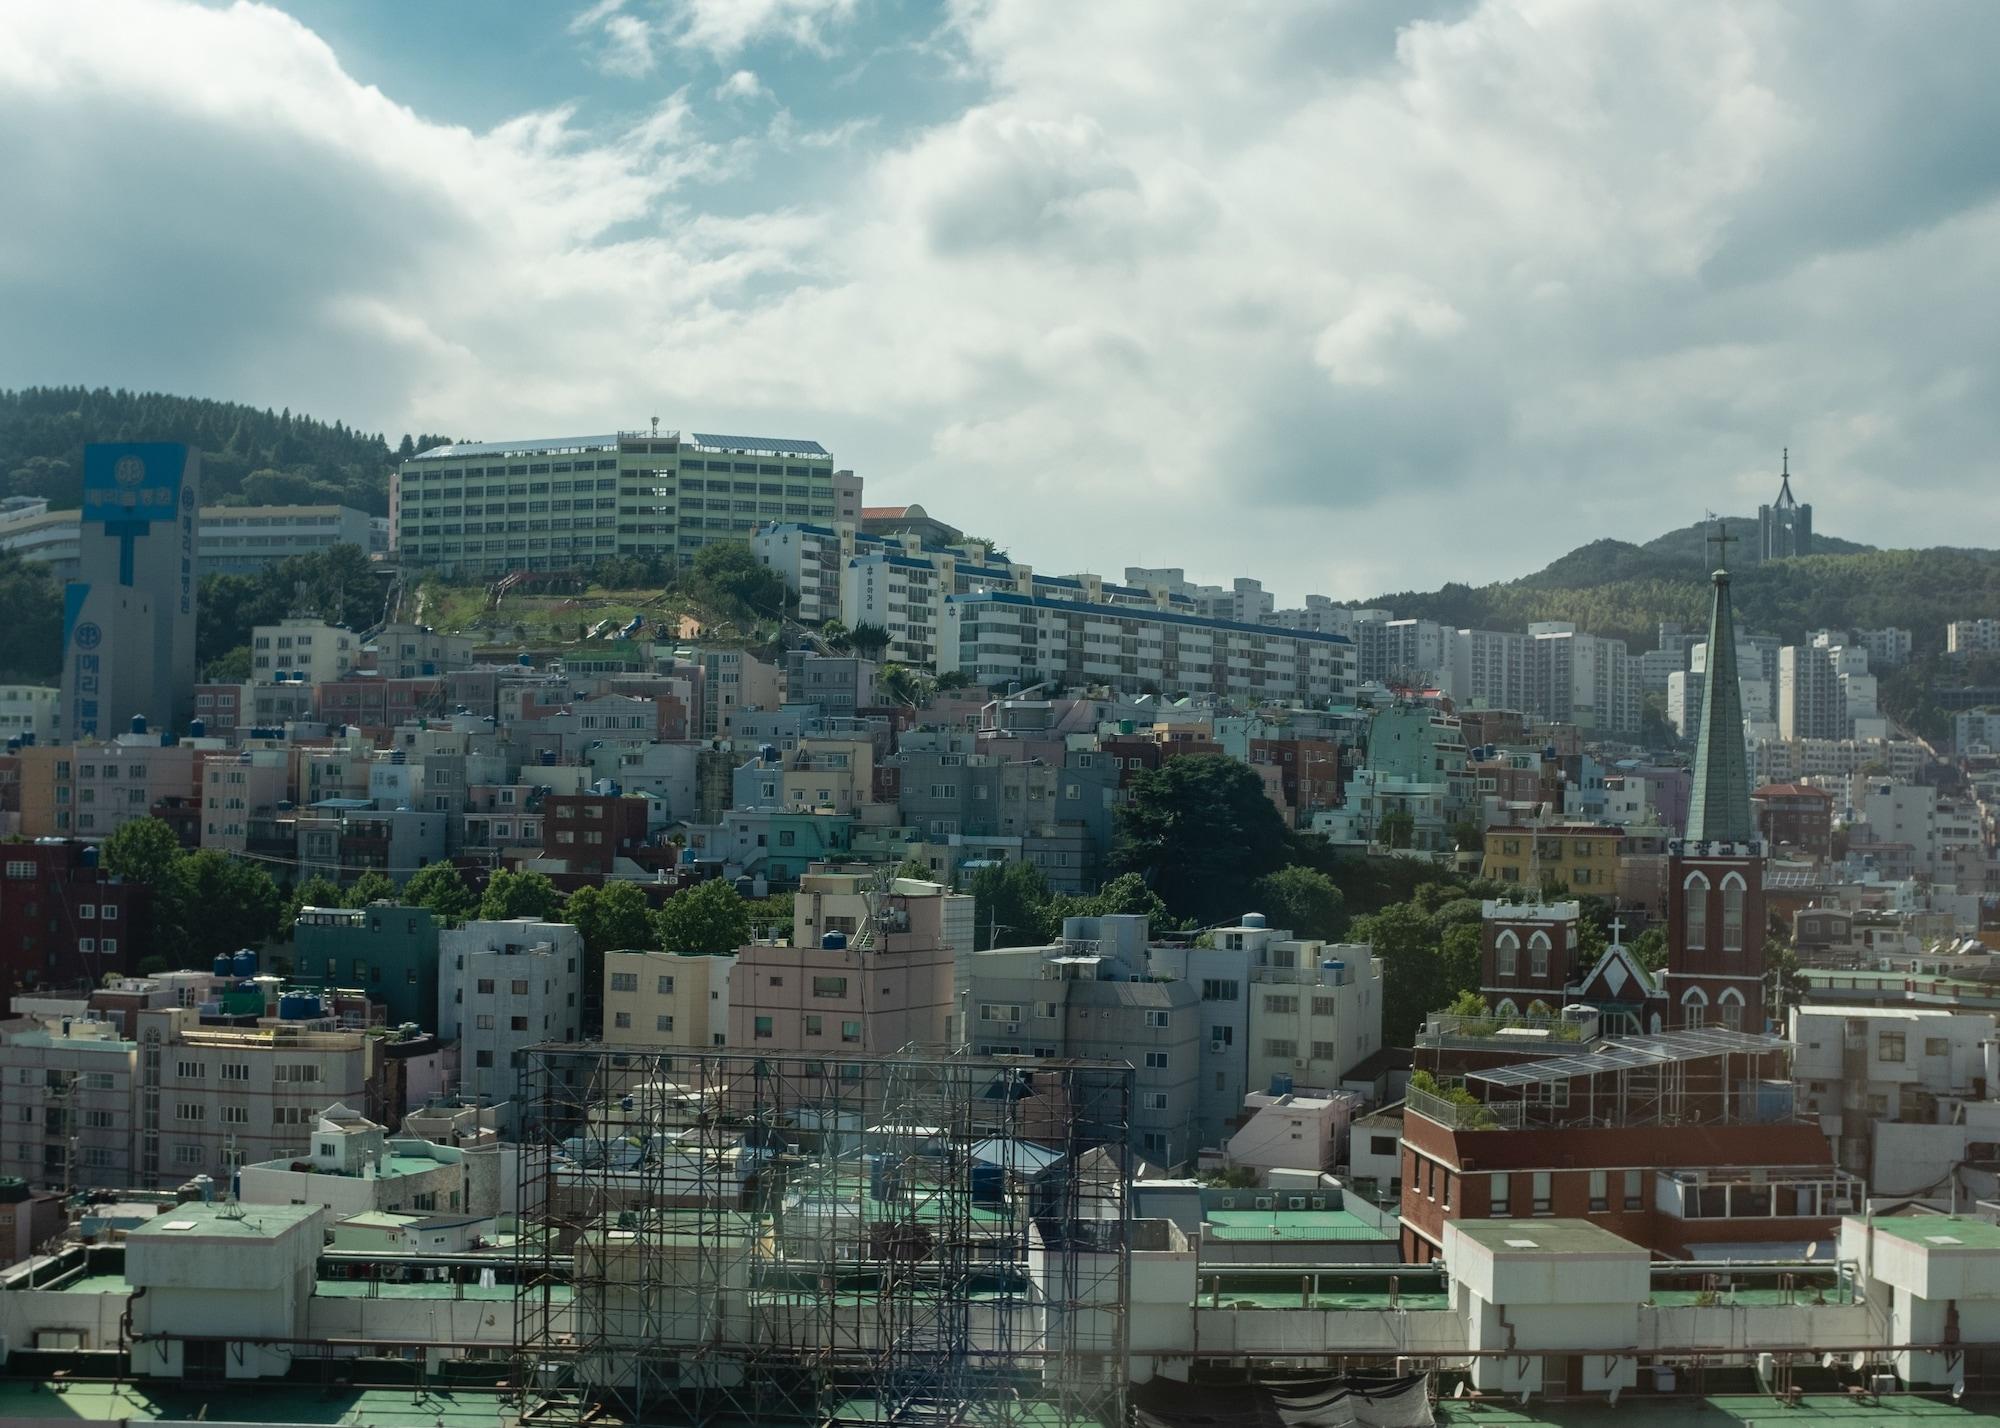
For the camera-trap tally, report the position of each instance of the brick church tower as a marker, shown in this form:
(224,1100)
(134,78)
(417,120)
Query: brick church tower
(1715,873)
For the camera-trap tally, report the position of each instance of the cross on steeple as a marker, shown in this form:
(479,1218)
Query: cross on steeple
(1618,932)
(1722,540)
(1786,464)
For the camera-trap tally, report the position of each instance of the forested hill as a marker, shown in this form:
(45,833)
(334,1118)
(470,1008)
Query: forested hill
(1612,587)
(248,456)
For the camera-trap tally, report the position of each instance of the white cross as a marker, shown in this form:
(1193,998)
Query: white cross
(1618,931)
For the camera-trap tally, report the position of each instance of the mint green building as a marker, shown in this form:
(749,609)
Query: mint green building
(389,952)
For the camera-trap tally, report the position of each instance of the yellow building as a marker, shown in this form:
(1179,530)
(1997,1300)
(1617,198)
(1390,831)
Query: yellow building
(666,999)
(1582,857)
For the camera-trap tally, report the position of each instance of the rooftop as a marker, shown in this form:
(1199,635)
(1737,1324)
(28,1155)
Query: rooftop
(1239,1226)
(1544,1236)
(1941,1231)
(240,1222)
(758,445)
(542,445)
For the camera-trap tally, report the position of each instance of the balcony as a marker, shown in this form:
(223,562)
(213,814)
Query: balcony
(1505,1115)
(1758,1192)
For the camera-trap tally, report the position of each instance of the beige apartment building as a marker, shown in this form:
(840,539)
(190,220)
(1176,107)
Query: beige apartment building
(666,999)
(866,970)
(91,790)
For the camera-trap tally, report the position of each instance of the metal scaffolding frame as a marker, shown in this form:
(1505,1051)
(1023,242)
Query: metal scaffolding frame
(717,1236)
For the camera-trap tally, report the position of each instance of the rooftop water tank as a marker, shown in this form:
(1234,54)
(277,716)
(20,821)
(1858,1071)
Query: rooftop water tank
(245,963)
(224,965)
(90,855)
(197,728)
(768,753)
(298,1006)
(1253,919)
(833,942)
(138,723)
(524,658)
(547,758)
(1281,1083)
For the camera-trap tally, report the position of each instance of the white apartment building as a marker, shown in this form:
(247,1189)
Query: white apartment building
(70,1088)
(299,647)
(503,987)
(1586,680)
(1002,637)
(1974,731)
(236,788)
(28,711)
(353,1167)
(407,651)
(1858,1067)
(1800,760)
(1972,637)
(666,999)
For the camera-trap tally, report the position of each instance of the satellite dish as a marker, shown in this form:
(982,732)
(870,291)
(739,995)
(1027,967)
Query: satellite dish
(1812,1250)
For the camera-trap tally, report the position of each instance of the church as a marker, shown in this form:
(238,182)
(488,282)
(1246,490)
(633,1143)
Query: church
(1714,973)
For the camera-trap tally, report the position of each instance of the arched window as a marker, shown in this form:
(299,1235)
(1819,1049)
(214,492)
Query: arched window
(1656,1023)
(1538,955)
(1732,913)
(1729,1006)
(1506,956)
(1507,1007)
(1696,906)
(1694,1007)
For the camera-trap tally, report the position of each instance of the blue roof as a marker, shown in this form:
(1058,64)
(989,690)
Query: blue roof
(1143,612)
(767,445)
(521,448)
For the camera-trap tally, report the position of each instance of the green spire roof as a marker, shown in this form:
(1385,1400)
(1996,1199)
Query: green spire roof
(1719,808)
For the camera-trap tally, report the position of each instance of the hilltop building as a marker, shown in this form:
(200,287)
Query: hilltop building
(1784,528)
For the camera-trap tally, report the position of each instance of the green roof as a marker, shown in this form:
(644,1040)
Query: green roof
(1545,1236)
(1240,1225)
(1927,1230)
(1719,806)
(244,1402)
(1728,1411)
(243,1222)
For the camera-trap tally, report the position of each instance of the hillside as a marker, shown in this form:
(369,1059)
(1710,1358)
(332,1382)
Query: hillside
(1614,588)
(1691,542)
(249,457)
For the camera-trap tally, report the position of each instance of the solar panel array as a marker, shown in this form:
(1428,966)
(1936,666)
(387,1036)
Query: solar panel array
(1629,1053)
(777,445)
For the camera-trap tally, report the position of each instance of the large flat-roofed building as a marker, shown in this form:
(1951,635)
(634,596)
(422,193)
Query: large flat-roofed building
(129,616)
(998,637)
(484,508)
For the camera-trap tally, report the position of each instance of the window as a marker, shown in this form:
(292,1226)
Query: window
(1156,1060)
(1889,1046)
(483,1060)
(622,1020)
(486,986)
(1218,990)
(190,1070)
(518,987)
(1538,956)
(1937,1046)
(1634,1189)
(1325,1006)
(1732,914)
(760,1028)
(1499,1196)
(1600,1191)
(190,1111)
(1045,1010)
(1222,1036)
(1506,955)
(665,986)
(998,1011)
(236,1115)
(1381,1145)
(1695,900)
(517,1023)
(1281,1049)
(624,981)
(483,1021)
(813,1026)
(1156,1019)
(1323,1051)
(1280,1005)
(1543,1199)
(850,1032)
(829,986)
(1156,1100)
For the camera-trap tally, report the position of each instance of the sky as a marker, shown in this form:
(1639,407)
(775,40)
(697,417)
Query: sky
(1352,296)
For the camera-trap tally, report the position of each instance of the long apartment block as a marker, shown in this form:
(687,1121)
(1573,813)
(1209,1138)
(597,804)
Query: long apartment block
(485,508)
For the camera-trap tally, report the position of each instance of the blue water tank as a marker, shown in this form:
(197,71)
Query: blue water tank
(399,756)
(1334,965)
(1253,919)
(547,758)
(90,855)
(224,965)
(245,963)
(298,1006)
(138,723)
(833,942)
(13,743)
(768,753)
(1281,1083)
(989,1185)
(524,658)
(197,728)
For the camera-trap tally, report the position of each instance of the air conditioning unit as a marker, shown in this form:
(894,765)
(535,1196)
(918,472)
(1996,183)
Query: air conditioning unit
(1881,1383)
(1299,1063)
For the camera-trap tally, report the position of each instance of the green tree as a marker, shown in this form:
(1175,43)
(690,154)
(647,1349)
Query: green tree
(315,891)
(709,918)
(729,577)
(952,679)
(229,667)
(209,903)
(915,867)
(1467,1003)
(1396,829)
(371,886)
(1649,948)
(1009,905)
(1305,900)
(512,894)
(142,851)
(613,918)
(1201,831)
(1414,978)
(1459,950)
(441,888)
(868,641)
(31,637)
(771,915)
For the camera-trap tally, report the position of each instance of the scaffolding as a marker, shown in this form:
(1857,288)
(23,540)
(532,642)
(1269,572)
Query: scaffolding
(722,1236)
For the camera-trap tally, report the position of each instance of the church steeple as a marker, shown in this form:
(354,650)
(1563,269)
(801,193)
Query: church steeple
(1786,500)
(1719,808)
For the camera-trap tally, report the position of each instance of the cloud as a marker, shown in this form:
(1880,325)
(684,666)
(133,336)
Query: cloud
(1347,296)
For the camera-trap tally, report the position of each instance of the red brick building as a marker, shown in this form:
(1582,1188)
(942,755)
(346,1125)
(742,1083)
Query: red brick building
(1795,814)
(64,921)
(370,702)
(591,831)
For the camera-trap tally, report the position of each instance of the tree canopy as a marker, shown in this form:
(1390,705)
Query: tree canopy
(1201,831)
(1305,900)
(709,918)
(511,894)
(441,888)
(613,918)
